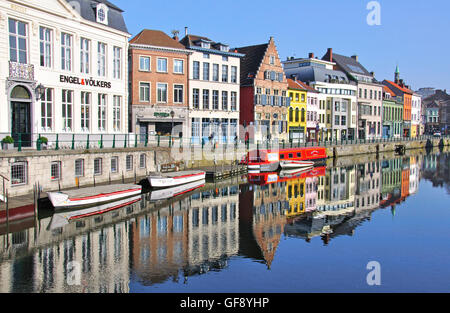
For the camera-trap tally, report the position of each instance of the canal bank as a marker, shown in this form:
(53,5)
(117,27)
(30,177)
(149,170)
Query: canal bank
(50,170)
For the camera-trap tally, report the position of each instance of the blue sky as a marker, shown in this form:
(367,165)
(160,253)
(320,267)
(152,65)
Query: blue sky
(414,34)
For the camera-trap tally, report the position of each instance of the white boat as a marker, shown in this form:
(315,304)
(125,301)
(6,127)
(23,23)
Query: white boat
(92,196)
(64,218)
(296,164)
(166,180)
(292,173)
(163,194)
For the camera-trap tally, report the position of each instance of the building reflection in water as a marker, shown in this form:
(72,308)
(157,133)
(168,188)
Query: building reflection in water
(155,242)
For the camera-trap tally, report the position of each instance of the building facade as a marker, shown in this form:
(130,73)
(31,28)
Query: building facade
(159,85)
(337,94)
(214,90)
(297,111)
(67,69)
(392,114)
(264,100)
(416,115)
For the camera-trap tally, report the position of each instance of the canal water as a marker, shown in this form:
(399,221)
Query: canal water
(314,231)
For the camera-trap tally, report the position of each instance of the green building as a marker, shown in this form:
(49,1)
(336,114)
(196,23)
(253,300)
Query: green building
(392,114)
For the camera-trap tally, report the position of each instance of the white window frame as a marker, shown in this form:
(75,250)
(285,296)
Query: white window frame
(175,67)
(17,37)
(102,111)
(141,57)
(117,62)
(116,159)
(85,119)
(58,167)
(46,47)
(77,174)
(142,160)
(45,103)
(175,96)
(145,94)
(85,56)
(158,99)
(66,51)
(129,163)
(157,65)
(98,166)
(117,105)
(67,107)
(24,176)
(101,59)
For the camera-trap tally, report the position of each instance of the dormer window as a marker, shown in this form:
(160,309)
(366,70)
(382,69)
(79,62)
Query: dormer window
(102,13)
(224,48)
(206,45)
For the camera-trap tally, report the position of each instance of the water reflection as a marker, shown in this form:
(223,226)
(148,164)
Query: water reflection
(152,242)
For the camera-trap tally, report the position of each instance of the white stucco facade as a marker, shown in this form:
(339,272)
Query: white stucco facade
(81,64)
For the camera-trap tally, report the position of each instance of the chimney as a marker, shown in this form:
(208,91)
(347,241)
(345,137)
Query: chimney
(373,74)
(311,55)
(175,37)
(186,31)
(355,57)
(330,54)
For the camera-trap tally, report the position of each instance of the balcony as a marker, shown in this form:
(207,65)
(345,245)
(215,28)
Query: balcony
(21,71)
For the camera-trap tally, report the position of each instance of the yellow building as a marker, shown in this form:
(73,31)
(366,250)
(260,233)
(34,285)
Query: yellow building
(297,111)
(295,195)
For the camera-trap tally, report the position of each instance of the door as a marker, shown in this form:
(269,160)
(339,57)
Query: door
(21,123)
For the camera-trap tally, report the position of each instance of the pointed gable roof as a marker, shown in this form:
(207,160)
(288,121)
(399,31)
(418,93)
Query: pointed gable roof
(386,89)
(251,62)
(397,88)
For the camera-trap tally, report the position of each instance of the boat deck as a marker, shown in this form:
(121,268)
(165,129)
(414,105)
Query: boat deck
(85,192)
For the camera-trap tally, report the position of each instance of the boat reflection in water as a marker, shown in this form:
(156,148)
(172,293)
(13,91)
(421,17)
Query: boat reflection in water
(170,237)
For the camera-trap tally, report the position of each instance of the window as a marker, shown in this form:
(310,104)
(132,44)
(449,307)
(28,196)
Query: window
(47,109)
(129,163)
(101,60)
(225,100)
(102,14)
(337,120)
(114,164)
(224,58)
(215,72)
(178,94)
(234,74)
(55,170)
(272,60)
(46,46)
(205,99)
(66,52)
(142,160)
(196,70)
(195,98)
(18,45)
(117,103)
(67,104)
(79,168)
(162,65)
(303,115)
(19,173)
(117,61)
(161,90)
(85,110)
(205,71)
(206,55)
(84,55)
(233,101)
(98,166)
(215,99)
(101,112)
(144,64)
(178,66)
(343,120)
(224,73)
(144,92)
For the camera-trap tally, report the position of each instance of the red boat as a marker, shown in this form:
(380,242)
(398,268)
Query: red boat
(263,179)
(270,160)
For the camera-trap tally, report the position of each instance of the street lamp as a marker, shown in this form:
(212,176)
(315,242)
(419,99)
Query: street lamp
(39,91)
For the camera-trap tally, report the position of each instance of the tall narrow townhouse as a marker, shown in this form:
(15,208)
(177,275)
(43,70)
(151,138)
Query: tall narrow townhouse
(392,114)
(400,89)
(65,69)
(297,111)
(159,85)
(337,95)
(416,115)
(214,90)
(264,100)
(369,96)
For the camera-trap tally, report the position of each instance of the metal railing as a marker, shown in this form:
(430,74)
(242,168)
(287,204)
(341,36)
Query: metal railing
(115,141)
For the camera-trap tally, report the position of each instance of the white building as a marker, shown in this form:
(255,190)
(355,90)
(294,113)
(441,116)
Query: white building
(416,114)
(214,89)
(67,69)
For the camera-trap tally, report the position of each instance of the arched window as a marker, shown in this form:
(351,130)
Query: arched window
(291,114)
(296,114)
(303,115)
(20,92)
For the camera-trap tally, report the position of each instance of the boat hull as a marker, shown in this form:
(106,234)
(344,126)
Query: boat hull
(164,194)
(166,182)
(64,200)
(264,167)
(295,164)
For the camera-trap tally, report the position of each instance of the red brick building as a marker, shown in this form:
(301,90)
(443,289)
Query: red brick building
(158,84)
(264,101)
